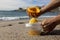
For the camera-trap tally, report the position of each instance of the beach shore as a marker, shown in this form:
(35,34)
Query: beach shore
(16,30)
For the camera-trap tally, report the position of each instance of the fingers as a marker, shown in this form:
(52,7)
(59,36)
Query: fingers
(32,14)
(48,25)
(44,22)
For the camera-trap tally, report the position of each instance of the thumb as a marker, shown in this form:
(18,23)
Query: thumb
(44,22)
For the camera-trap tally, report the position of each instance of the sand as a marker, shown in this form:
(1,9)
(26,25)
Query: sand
(16,30)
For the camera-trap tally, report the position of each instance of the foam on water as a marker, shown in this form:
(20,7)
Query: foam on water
(22,17)
(8,18)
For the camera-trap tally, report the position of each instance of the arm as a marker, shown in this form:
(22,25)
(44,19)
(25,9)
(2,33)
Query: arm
(57,19)
(52,5)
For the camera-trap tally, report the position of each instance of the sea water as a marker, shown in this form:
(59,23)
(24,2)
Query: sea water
(13,15)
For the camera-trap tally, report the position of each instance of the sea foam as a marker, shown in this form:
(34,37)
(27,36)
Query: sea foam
(22,17)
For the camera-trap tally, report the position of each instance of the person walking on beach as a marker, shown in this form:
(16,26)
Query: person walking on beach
(48,24)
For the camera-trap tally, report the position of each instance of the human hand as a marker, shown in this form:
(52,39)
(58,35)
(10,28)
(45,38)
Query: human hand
(48,25)
(33,11)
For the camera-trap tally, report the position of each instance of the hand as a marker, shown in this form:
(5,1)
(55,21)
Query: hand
(33,11)
(48,25)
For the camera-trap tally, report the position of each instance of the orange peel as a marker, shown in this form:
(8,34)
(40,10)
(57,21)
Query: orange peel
(33,9)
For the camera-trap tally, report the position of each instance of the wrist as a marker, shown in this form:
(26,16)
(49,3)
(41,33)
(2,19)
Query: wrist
(57,20)
(41,12)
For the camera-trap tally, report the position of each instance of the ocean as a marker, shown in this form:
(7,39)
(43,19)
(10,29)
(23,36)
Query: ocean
(19,15)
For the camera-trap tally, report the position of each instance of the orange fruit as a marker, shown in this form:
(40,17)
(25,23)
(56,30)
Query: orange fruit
(33,11)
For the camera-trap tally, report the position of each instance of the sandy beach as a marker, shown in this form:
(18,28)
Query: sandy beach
(16,30)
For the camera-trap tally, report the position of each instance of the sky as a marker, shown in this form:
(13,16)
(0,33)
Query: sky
(15,4)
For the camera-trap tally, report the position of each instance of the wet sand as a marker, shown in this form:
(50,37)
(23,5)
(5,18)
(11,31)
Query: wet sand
(16,30)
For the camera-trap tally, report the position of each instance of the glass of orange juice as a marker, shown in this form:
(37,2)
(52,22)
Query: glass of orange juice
(34,29)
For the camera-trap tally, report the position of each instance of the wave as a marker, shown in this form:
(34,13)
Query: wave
(46,16)
(14,18)
(21,17)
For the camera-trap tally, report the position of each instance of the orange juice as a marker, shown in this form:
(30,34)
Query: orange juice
(33,32)
(34,29)
(33,20)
